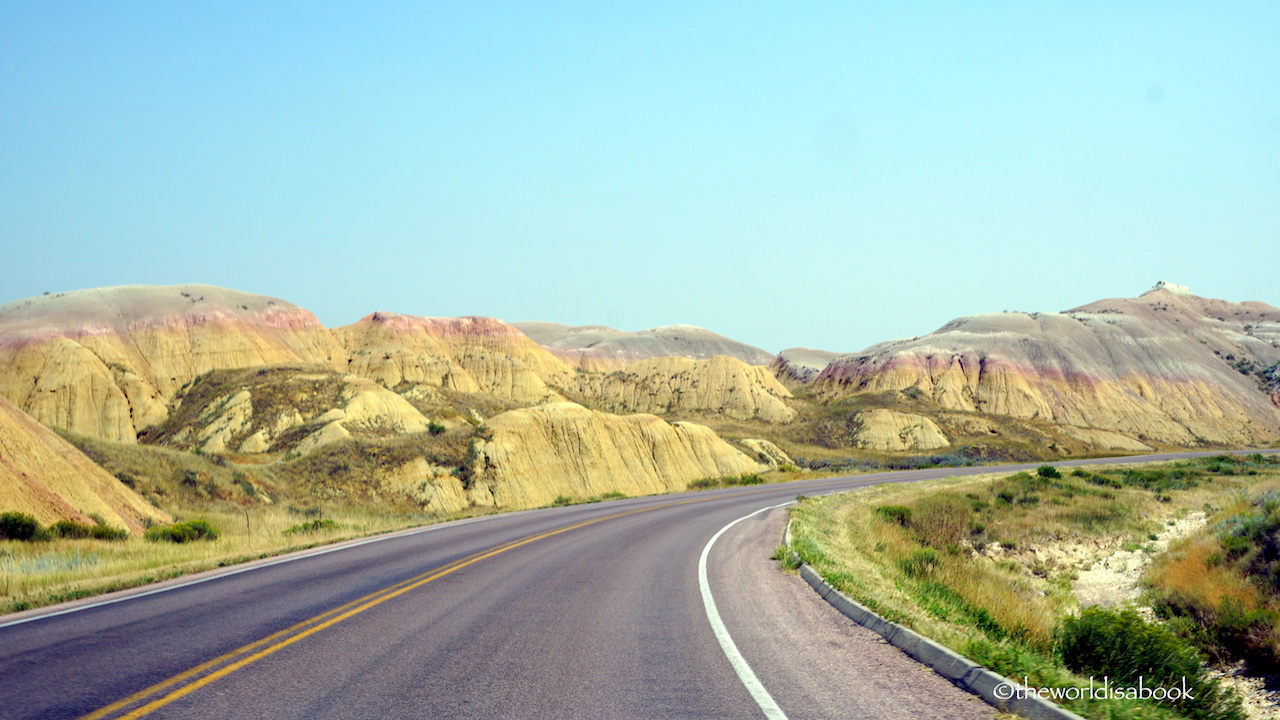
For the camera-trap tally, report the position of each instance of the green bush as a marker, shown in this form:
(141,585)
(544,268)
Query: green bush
(182,532)
(435,428)
(750,479)
(704,484)
(921,562)
(1048,471)
(312,526)
(18,526)
(71,529)
(1124,647)
(900,514)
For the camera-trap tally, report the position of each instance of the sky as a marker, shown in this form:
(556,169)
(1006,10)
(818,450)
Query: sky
(821,174)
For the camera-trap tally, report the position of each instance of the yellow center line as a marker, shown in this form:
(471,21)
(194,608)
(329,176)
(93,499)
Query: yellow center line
(284,638)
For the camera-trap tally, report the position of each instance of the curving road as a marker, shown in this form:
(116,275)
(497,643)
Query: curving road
(590,611)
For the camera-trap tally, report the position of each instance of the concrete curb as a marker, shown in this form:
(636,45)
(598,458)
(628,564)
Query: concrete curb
(997,690)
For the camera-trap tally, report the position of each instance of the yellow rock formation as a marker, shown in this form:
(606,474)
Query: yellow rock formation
(894,431)
(469,354)
(43,475)
(564,449)
(766,452)
(433,486)
(106,362)
(284,408)
(1167,367)
(602,349)
(720,385)
(1105,439)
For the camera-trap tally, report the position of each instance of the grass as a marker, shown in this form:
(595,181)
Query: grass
(35,574)
(954,559)
(727,481)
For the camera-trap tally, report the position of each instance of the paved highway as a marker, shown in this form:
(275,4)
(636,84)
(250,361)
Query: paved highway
(591,611)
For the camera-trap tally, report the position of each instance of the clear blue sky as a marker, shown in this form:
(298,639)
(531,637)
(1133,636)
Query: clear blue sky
(821,174)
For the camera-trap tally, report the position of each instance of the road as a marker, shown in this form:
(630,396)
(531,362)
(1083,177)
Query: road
(589,611)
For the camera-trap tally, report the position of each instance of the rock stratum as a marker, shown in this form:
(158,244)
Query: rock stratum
(1168,367)
(107,362)
(721,386)
(45,476)
(282,409)
(800,366)
(468,354)
(443,414)
(600,348)
(563,449)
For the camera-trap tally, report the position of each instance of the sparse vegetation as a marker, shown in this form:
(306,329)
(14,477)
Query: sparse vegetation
(313,526)
(956,561)
(730,481)
(1221,587)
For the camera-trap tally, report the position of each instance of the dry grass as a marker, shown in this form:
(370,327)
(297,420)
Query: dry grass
(1188,569)
(34,574)
(962,566)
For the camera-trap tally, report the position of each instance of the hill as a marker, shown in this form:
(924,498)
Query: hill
(1166,367)
(43,475)
(107,362)
(596,347)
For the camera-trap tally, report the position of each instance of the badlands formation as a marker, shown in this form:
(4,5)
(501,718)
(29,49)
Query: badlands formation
(45,476)
(107,362)
(596,347)
(233,375)
(1167,367)
(443,414)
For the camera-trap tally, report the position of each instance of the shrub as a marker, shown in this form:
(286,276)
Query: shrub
(435,428)
(750,479)
(704,483)
(312,526)
(1048,471)
(921,562)
(18,526)
(103,531)
(1123,646)
(561,500)
(70,529)
(900,514)
(182,532)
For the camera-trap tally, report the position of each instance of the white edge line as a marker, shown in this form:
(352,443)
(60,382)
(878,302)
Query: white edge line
(304,554)
(739,663)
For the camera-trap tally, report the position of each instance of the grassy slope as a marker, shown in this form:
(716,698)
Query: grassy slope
(960,568)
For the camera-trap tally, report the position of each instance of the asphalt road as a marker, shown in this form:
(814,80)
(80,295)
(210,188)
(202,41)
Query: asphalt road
(590,611)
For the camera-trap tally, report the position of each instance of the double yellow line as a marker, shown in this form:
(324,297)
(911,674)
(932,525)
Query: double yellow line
(145,702)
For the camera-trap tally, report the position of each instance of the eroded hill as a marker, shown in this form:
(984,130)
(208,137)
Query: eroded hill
(1167,367)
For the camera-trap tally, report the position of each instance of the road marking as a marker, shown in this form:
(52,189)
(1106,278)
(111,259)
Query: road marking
(264,647)
(223,665)
(730,648)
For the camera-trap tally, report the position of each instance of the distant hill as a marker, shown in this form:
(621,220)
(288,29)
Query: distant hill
(1168,367)
(107,362)
(442,414)
(596,347)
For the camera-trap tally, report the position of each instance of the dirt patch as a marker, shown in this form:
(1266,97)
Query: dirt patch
(1110,577)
